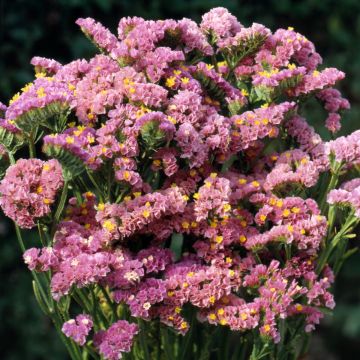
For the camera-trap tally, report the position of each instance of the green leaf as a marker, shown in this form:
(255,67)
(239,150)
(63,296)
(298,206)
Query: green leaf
(72,165)
(47,116)
(39,299)
(176,244)
(152,136)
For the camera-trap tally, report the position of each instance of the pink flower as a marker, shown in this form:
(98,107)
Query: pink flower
(78,329)
(29,189)
(213,196)
(116,339)
(219,23)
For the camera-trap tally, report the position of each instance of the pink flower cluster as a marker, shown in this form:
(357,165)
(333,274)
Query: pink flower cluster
(78,329)
(116,339)
(202,173)
(347,195)
(29,189)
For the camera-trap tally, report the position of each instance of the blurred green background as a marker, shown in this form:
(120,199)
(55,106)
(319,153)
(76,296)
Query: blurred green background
(47,28)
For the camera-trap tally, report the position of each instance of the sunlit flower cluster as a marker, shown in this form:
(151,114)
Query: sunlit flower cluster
(190,179)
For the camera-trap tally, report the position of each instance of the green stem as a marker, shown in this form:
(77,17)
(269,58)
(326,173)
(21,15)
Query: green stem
(92,353)
(97,187)
(257,257)
(60,207)
(324,257)
(41,234)
(19,238)
(34,274)
(97,311)
(305,345)
(214,62)
(51,310)
(166,343)
(187,339)
(109,183)
(72,347)
(62,201)
(331,219)
(94,311)
(242,349)
(333,182)
(11,157)
(109,301)
(32,150)
(143,342)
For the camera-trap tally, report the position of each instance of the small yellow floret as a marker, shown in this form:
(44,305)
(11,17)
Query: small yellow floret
(170,82)
(185,80)
(242,239)
(286,213)
(194,224)
(69,140)
(185,225)
(219,239)
(14,98)
(227,207)
(212,316)
(101,206)
(40,92)
(27,87)
(244,92)
(108,225)
(267,328)
(223,322)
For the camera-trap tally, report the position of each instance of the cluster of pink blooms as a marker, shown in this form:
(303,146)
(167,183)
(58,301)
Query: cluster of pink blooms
(116,339)
(347,195)
(179,146)
(28,190)
(78,329)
